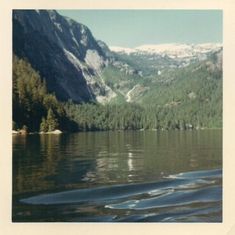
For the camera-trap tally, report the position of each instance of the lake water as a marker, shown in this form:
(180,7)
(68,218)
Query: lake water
(131,176)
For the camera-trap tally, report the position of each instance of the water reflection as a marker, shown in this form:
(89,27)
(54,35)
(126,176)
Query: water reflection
(47,161)
(54,163)
(130,162)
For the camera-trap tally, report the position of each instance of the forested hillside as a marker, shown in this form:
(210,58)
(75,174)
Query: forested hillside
(184,103)
(34,108)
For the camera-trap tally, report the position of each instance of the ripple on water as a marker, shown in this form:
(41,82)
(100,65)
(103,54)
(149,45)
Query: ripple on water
(171,199)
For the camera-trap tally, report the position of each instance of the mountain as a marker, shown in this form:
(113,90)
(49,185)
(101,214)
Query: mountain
(63,51)
(177,99)
(172,50)
(154,58)
(159,87)
(76,66)
(168,86)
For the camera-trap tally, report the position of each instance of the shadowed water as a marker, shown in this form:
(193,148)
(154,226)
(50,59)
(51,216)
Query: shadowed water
(118,176)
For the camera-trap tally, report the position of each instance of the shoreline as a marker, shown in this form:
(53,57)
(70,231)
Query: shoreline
(58,132)
(20,132)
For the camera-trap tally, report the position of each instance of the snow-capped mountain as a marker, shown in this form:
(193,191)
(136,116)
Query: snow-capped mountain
(125,50)
(171,50)
(152,59)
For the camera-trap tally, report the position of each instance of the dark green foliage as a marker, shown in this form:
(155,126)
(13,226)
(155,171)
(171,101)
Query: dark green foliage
(49,124)
(31,102)
(92,117)
(52,121)
(44,125)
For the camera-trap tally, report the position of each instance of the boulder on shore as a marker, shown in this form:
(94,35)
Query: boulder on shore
(23,132)
(52,132)
(55,132)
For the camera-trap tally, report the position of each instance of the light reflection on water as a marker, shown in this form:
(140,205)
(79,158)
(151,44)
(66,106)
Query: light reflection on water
(50,164)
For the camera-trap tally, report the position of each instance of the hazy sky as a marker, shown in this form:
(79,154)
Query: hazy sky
(131,28)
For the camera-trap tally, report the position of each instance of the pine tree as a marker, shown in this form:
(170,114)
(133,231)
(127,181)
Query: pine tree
(51,121)
(44,125)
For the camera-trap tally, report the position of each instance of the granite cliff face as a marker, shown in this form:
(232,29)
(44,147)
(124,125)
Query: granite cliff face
(64,52)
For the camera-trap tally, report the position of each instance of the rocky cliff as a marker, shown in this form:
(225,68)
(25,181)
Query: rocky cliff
(64,52)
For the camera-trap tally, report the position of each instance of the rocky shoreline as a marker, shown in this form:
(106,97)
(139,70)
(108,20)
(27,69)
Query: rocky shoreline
(23,132)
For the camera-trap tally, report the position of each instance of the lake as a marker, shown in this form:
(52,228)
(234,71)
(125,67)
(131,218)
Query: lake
(125,176)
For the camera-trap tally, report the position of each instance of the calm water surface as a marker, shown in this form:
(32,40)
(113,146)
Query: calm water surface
(132,176)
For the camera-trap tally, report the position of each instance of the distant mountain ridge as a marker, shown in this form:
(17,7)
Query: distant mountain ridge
(152,59)
(173,50)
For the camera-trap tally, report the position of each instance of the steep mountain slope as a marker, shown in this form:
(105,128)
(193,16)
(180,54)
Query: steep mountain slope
(194,89)
(63,51)
(174,83)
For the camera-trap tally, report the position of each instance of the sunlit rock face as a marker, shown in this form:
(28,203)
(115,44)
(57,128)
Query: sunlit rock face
(63,51)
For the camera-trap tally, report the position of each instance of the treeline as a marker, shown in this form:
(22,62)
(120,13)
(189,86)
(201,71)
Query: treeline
(94,117)
(34,108)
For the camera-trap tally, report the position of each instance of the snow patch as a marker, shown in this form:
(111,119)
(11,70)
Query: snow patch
(172,50)
(122,49)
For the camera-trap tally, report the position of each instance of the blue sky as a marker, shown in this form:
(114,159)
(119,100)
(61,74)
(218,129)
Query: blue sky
(131,28)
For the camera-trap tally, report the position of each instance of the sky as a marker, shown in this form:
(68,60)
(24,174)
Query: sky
(132,28)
